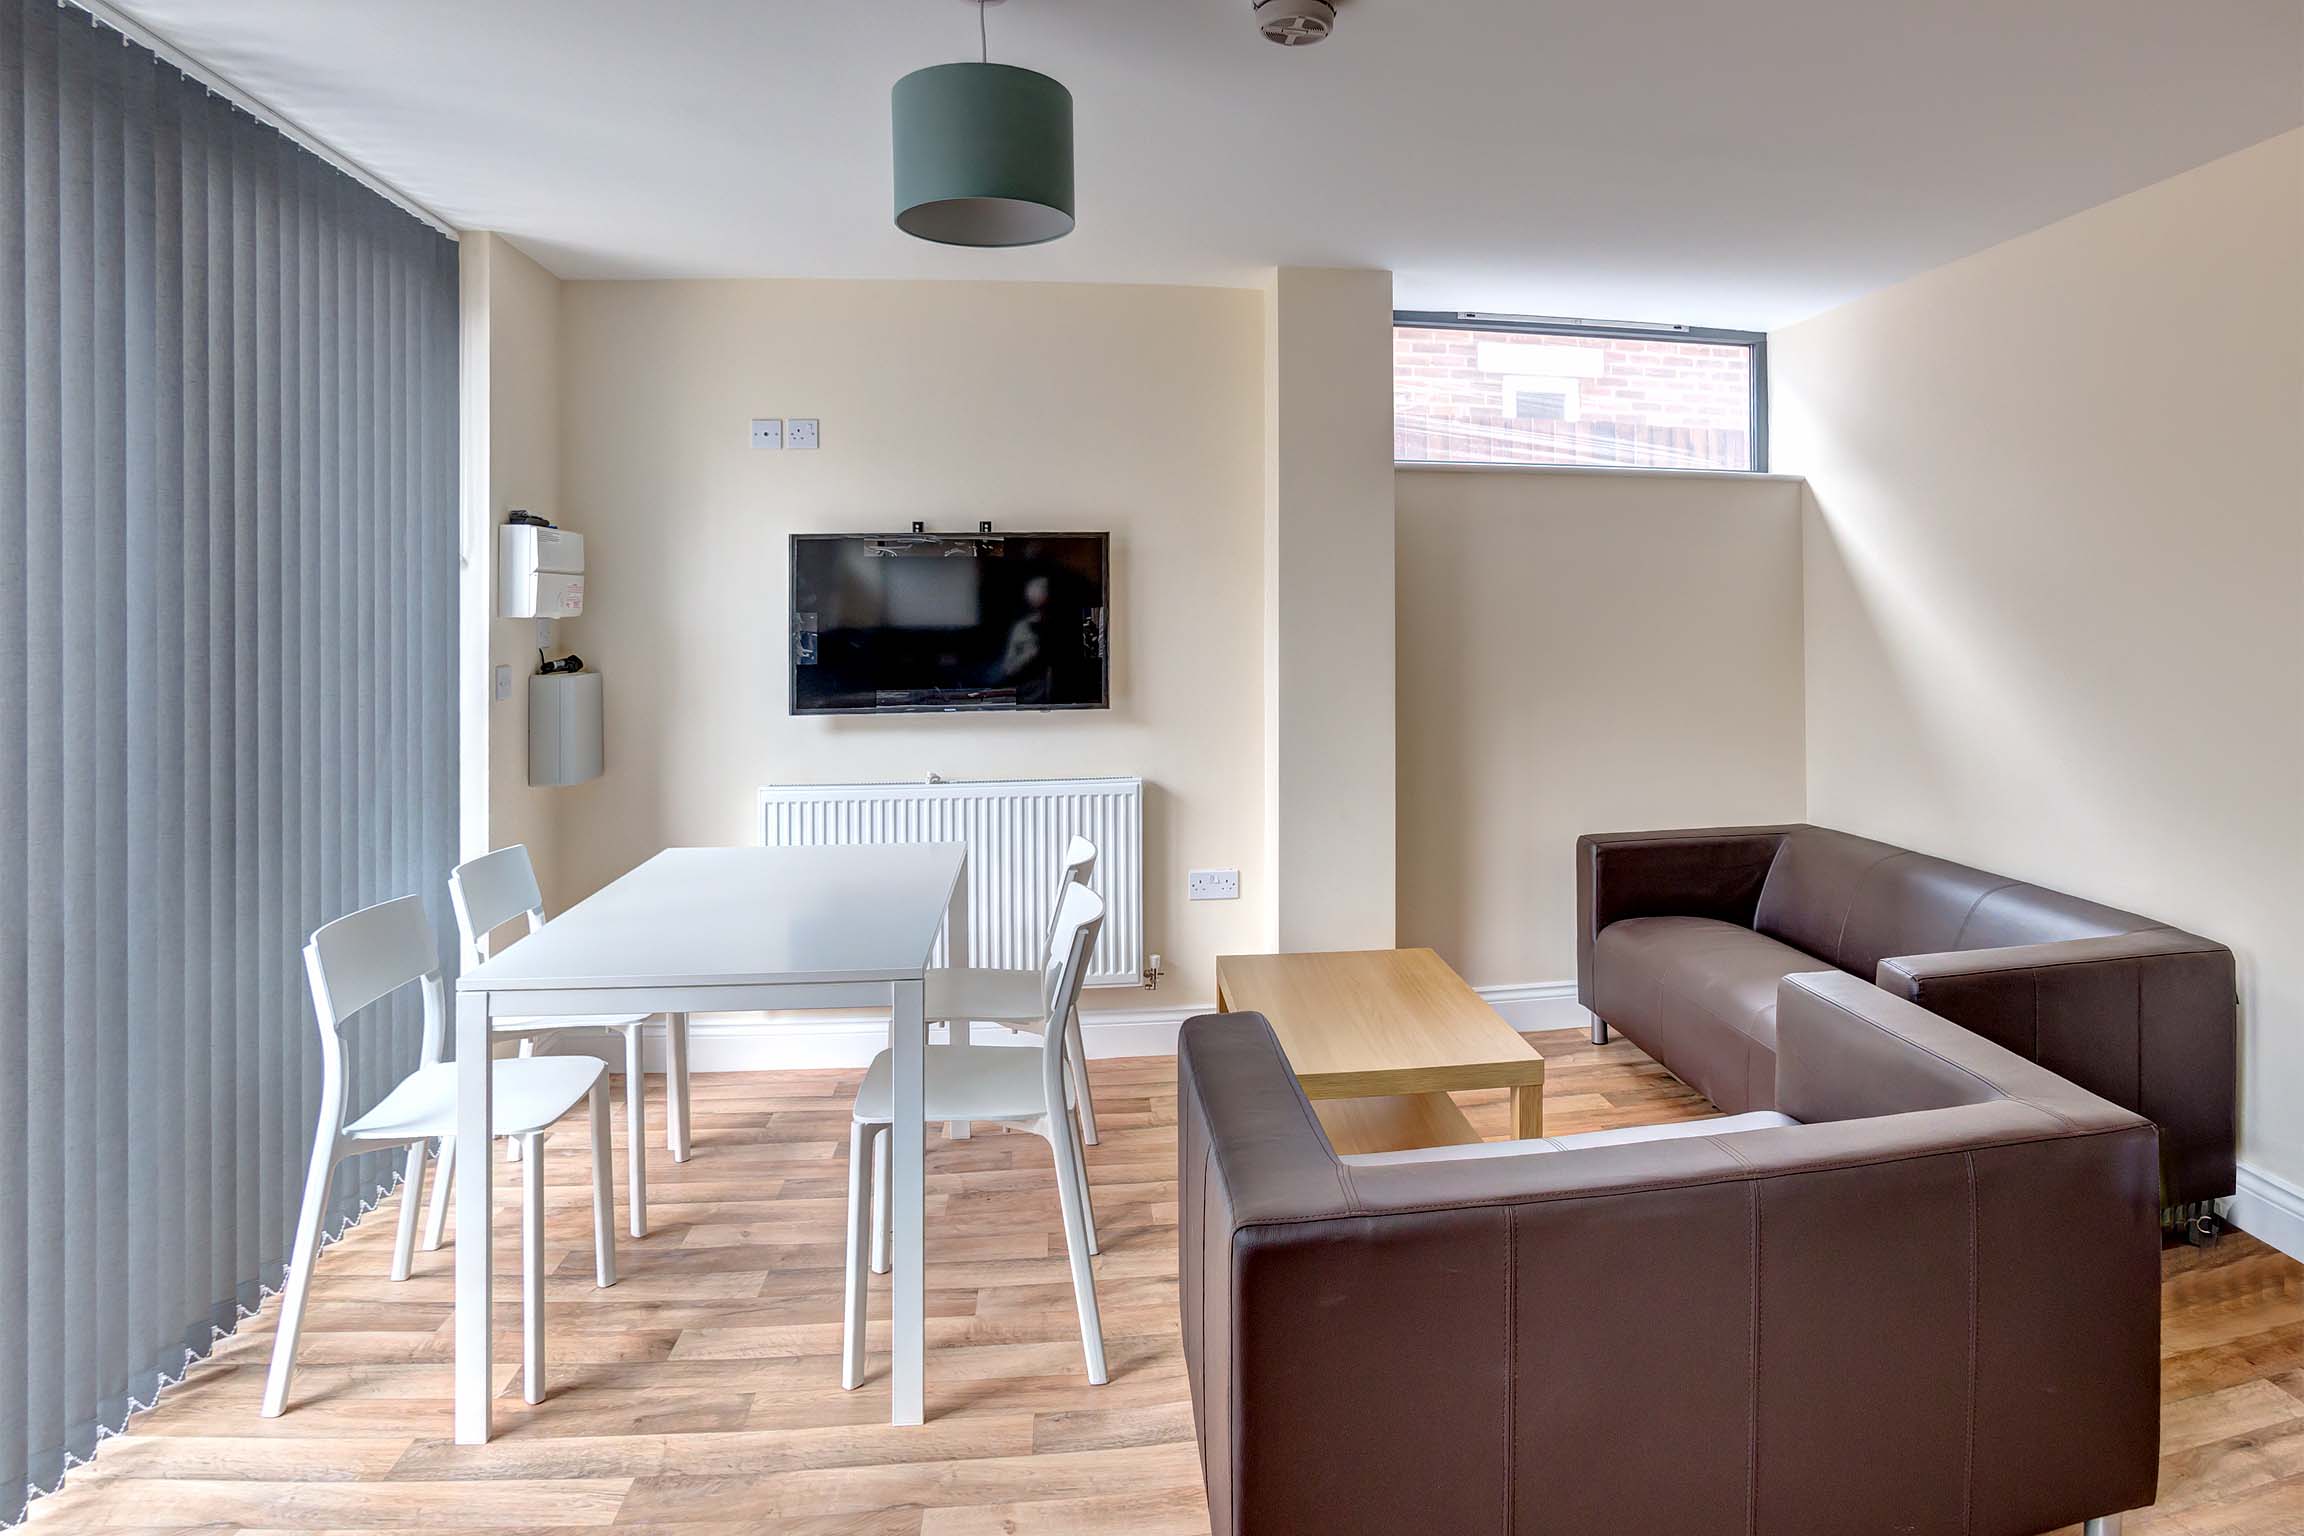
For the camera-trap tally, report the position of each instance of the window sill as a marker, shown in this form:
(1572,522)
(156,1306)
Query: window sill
(1432,466)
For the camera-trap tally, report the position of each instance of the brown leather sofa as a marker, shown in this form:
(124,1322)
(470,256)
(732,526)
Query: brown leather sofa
(1931,1307)
(1683,936)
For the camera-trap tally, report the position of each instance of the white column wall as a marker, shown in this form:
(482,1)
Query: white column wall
(1329,768)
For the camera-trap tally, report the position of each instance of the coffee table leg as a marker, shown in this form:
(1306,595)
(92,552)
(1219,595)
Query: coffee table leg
(1528,1111)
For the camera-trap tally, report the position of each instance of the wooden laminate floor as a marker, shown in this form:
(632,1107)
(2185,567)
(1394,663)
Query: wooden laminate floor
(701,1394)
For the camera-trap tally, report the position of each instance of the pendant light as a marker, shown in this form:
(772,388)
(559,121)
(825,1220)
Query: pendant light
(983,152)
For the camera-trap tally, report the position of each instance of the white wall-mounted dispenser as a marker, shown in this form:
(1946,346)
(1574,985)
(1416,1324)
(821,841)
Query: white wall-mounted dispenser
(563,728)
(540,572)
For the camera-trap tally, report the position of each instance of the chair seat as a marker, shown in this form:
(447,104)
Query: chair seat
(995,996)
(540,1022)
(529,1094)
(1623,1136)
(965,1082)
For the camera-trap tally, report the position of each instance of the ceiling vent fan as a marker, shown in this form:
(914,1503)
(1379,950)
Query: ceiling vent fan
(1295,23)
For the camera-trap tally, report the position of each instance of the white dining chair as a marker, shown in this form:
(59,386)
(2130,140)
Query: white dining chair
(1018,998)
(1024,1089)
(351,963)
(498,888)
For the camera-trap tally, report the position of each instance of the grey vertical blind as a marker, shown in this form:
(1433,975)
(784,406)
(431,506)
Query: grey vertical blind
(227,700)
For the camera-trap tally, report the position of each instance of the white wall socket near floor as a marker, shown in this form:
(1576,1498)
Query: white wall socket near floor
(768,432)
(1213,885)
(801,432)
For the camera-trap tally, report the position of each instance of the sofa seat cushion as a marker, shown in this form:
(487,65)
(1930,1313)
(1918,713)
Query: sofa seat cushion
(1711,1125)
(1700,996)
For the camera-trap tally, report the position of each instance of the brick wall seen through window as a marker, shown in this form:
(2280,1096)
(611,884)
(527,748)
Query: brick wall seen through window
(1524,397)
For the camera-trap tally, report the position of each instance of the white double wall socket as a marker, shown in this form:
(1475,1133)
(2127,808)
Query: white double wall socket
(1212,885)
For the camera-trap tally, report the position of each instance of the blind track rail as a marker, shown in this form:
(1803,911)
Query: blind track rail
(287,127)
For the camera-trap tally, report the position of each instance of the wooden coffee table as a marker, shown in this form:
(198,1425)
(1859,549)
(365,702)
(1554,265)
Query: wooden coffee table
(1378,1039)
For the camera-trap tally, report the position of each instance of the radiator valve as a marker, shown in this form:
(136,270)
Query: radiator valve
(1152,974)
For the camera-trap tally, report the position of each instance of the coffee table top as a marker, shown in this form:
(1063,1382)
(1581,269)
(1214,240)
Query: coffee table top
(1360,1023)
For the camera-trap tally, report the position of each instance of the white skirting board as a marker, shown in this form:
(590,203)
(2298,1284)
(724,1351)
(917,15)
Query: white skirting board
(736,1042)
(1534,1005)
(2269,1207)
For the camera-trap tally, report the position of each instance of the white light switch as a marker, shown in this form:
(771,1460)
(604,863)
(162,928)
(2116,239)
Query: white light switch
(803,432)
(1213,885)
(768,432)
(503,684)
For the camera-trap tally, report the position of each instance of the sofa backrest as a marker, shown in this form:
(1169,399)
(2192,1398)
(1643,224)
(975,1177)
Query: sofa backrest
(1853,902)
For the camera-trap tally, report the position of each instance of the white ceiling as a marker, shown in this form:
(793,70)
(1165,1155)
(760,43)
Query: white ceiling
(1713,163)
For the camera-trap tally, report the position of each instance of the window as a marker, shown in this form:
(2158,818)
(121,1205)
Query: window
(1469,389)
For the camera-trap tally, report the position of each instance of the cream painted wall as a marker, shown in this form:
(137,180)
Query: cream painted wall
(511,325)
(1582,652)
(1137,410)
(2055,573)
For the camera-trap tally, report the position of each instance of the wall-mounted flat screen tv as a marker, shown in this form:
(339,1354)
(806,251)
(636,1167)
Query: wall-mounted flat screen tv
(919,623)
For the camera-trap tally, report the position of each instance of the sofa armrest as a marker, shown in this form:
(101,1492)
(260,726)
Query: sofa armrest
(1241,1113)
(2149,1020)
(1248,1150)
(1846,1050)
(1700,872)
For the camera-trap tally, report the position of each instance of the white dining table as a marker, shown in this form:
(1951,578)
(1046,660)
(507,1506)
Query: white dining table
(725,930)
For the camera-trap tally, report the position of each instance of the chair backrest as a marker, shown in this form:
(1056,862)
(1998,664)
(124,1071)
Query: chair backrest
(356,960)
(490,891)
(1079,865)
(1079,917)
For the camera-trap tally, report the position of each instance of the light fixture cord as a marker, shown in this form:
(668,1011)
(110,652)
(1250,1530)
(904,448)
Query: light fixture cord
(983,39)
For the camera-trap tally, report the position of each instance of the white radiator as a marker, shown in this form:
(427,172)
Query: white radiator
(1015,830)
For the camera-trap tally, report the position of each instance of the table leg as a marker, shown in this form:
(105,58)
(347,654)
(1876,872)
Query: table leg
(476,1151)
(1528,1111)
(676,1085)
(908,1197)
(961,1031)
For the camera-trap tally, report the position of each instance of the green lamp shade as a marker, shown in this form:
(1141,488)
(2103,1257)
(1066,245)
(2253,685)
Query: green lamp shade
(983,155)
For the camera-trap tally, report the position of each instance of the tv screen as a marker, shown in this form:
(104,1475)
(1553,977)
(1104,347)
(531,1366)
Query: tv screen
(911,623)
